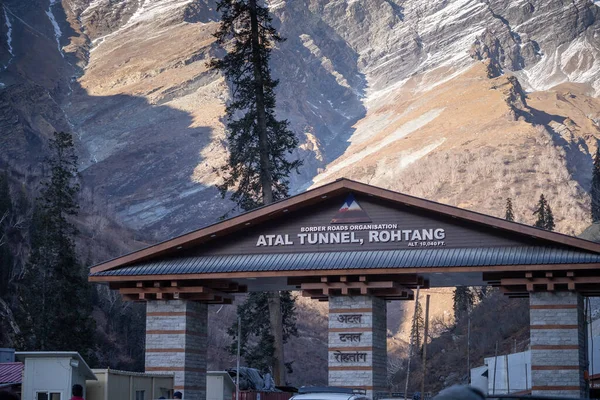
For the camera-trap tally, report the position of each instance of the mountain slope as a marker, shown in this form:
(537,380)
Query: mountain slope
(465,102)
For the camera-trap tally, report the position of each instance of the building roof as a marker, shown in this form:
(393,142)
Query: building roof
(430,257)
(132,373)
(82,365)
(169,249)
(226,377)
(11,373)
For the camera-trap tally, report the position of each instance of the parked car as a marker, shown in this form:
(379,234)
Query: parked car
(329,393)
(528,397)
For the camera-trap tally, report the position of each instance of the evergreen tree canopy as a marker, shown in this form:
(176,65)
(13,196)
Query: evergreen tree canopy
(58,197)
(540,211)
(595,189)
(545,218)
(257,342)
(509,216)
(54,290)
(418,326)
(463,301)
(258,167)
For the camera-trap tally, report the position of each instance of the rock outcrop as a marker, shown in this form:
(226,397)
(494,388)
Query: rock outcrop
(410,95)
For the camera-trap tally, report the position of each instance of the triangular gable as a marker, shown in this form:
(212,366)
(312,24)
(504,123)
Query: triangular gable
(390,226)
(248,226)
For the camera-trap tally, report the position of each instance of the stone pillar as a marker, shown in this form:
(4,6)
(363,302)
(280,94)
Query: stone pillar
(557,344)
(357,343)
(176,338)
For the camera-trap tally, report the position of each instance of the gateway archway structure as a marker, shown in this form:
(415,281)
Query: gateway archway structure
(359,246)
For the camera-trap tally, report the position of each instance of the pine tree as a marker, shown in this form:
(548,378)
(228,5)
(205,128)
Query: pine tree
(595,190)
(55,291)
(257,341)
(258,168)
(418,326)
(463,301)
(509,216)
(540,211)
(545,218)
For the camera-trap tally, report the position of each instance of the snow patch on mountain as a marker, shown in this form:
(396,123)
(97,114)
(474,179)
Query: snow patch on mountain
(375,123)
(406,129)
(8,36)
(410,157)
(149,10)
(146,13)
(577,61)
(378,94)
(455,52)
(441,37)
(275,4)
(389,168)
(93,5)
(438,76)
(452,48)
(57,31)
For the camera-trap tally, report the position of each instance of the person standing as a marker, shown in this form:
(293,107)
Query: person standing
(77,392)
(177,395)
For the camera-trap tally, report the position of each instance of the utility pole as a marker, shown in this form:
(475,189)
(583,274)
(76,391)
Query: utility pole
(425,336)
(237,374)
(410,346)
(469,345)
(507,374)
(495,365)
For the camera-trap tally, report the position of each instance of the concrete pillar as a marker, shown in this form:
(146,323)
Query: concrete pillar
(357,343)
(176,342)
(557,344)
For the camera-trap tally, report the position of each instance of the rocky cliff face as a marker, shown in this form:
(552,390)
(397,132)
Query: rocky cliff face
(466,102)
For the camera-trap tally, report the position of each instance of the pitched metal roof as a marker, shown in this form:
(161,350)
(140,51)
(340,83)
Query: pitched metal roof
(435,257)
(99,371)
(167,249)
(11,372)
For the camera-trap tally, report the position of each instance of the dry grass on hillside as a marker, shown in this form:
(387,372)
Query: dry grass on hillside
(497,319)
(462,144)
(481,179)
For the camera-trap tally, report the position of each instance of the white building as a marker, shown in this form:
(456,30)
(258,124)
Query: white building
(510,373)
(50,375)
(513,371)
(219,386)
(594,367)
(124,385)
